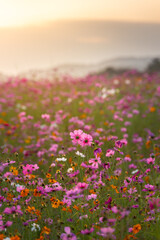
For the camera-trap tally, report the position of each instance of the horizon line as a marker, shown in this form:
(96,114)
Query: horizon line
(47,22)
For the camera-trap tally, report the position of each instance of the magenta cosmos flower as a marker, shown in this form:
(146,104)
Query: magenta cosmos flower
(29,168)
(76,136)
(86,140)
(107,232)
(110,153)
(68,235)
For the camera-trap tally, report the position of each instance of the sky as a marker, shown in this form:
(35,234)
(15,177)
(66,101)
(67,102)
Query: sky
(23,12)
(39,34)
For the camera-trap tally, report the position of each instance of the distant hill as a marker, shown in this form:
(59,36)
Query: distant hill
(80,70)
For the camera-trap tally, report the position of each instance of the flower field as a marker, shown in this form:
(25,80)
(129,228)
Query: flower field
(79,158)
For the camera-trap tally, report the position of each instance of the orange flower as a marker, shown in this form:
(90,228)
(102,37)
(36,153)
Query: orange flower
(146,179)
(76,207)
(61,203)
(114,187)
(83,116)
(136,228)
(14,170)
(15,238)
(24,192)
(51,180)
(152,109)
(53,199)
(9,196)
(30,209)
(67,209)
(54,134)
(124,189)
(148,144)
(46,230)
(27,140)
(37,212)
(21,149)
(3,114)
(56,204)
(92,191)
(31,176)
(96,202)
(106,123)
(70,160)
(128,237)
(41,238)
(48,175)
(36,193)
(2,236)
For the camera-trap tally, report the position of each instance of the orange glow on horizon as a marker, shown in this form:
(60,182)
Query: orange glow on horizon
(26,12)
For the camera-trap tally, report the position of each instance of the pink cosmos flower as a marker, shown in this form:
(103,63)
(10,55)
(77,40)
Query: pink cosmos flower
(149,187)
(68,235)
(110,153)
(45,117)
(123,130)
(150,160)
(87,231)
(91,196)
(114,209)
(120,143)
(154,203)
(29,168)
(76,136)
(86,140)
(107,232)
(132,190)
(13,209)
(95,161)
(82,185)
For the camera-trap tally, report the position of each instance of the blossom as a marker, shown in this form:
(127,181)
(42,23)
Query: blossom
(45,116)
(136,228)
(86,140)
(14,209)
(80,154)
(76,136)
(68,235)
(107,232)
(154,203)
(82,185)
(150,160)
(35,227)
(62,159)
(149,187)
(110,153)
(29,168)
(120,143)
(87,231)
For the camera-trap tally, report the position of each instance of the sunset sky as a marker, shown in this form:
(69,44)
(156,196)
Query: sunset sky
(24,12)
(40,34)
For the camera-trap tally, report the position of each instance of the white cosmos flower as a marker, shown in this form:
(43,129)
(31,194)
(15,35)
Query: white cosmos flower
(111,91)
(63,159)
(80,154)
(69,100)
(116,81)
(69,170)
(35,227)
(127,81)
(135,171)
